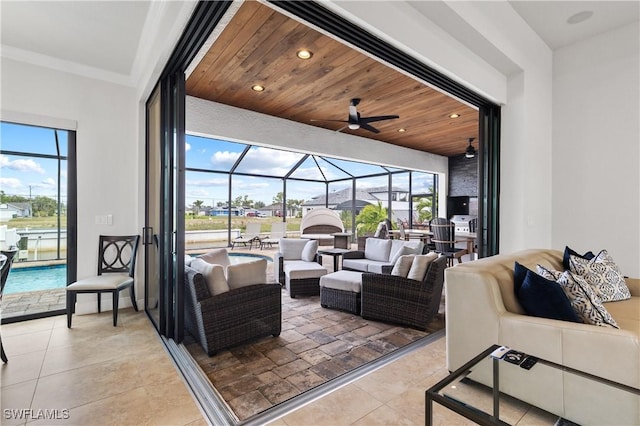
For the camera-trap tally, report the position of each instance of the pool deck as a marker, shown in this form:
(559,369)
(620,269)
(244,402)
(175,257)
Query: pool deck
(55,299)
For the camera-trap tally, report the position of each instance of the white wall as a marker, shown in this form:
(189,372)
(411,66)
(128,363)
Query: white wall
(107,148)
(596,146)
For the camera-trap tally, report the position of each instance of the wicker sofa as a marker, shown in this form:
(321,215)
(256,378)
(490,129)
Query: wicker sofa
(379,255)
(231,318)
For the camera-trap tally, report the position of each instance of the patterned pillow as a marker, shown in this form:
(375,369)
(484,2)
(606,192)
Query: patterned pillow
(603,275)
(584,301)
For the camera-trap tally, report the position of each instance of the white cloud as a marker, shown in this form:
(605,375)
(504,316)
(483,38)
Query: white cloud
(13,183)
(208,182)
(21,165)
(187,146)
(224,159)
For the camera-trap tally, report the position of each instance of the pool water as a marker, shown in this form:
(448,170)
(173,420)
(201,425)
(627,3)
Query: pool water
(49,277)
(21,280)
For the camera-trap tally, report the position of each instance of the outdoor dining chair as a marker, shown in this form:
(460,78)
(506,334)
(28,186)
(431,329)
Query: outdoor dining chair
(116,267)
(445,241)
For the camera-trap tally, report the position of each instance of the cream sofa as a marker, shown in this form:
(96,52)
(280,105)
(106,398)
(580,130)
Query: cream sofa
(482,309)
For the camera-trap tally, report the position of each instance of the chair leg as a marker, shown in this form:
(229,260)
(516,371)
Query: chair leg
(99,302)
(116,295)
(2,354)
(132,293)
(71,303)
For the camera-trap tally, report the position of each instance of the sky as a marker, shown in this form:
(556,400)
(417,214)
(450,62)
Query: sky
(213,154)
(24,175)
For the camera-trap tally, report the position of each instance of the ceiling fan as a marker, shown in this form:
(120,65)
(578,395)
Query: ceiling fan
(355,121)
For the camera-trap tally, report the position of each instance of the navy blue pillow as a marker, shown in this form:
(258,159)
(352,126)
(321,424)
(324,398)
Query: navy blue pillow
(544,298)
(567,252)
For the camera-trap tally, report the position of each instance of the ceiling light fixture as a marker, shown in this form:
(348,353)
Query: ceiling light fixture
(304,54)
(454,115)
(257,88)
(580,17)
(471,151)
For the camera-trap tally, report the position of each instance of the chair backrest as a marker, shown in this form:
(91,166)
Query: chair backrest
(117,254)
(278,230)
(8,256)
(473,225)
(381,231)
(443,234)
(253,229)
(434,279)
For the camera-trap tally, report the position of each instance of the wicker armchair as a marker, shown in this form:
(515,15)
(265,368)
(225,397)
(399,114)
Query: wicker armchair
(392,298)
(231,318)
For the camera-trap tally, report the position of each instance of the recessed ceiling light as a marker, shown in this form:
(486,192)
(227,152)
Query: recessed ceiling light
(257,88)
(580,17)
(402,130)
(304,54)
(454,115)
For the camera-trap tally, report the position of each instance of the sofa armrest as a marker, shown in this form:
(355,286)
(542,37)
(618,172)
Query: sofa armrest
(278,265)
(227,303)
(355,254)
(634,286)
(197,281)
(393,286)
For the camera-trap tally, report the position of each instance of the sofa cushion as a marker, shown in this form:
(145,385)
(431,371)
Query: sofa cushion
(403,265)
(544,298)
(569,252)
(216,257)
(584,300)
(603,274)
(213,275)
(247,273)
(420,266)
(377,249)
(343,280)
(310,250)
(291,248)
(376,267)
(357,264)
(300,269)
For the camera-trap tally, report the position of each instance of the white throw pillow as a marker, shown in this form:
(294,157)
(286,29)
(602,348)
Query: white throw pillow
(249,273)
(216,257)
(420,266)
(213,275)
(291,248)
(603,275)
(404,250)
(309,251)
(187,260)
(403,265)
(377,249)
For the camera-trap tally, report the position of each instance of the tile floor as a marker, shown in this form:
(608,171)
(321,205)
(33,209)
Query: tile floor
(106,375)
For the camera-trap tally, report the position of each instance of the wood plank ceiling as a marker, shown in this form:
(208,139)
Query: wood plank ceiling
(259,46)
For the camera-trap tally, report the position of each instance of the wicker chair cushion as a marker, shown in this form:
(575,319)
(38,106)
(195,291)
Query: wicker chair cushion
(420,265)
(377,249)
(216,257)
(292,248)
(343,280)
(213,275)
(309,252)
(403,265)
(245,274)
(300,269)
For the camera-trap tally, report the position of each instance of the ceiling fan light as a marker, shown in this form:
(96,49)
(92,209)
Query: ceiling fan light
(354,126)
(471,151)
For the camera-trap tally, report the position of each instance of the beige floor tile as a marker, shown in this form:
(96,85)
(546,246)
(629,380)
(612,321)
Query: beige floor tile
(25,327)
(179,408)
(384,416)
(21,368)
(384,385)
(411,403)
(24,343)
(16,397)
(537,417)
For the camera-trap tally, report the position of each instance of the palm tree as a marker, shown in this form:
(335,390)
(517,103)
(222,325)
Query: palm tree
(196,206)
(369,218)
(424,209)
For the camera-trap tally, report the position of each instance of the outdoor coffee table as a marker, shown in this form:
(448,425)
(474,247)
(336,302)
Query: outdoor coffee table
(335,253)
(486,404)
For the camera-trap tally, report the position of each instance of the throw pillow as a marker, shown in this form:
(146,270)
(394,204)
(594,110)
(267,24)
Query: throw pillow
(568,252)
(245,274)
(543,298)
(187,260)
(404,250)
(213,274)
(310,250)
(603,275)
(584,301)
(403,265)
(519,274)
(216,257)
(420,265)
(377,249)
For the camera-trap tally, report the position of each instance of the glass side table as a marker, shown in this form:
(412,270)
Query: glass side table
(484,404)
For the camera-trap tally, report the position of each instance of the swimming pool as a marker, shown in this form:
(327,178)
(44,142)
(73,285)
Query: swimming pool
(55,276)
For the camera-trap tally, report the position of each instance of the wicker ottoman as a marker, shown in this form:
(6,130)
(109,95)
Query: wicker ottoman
(341,290)
(302,278)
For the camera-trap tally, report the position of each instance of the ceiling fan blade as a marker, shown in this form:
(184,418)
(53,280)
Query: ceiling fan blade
(336,121)
(378,118)
(369,127)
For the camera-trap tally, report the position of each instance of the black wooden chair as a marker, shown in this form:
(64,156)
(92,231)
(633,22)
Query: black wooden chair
(116,266)
(6,260)
(445,240)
